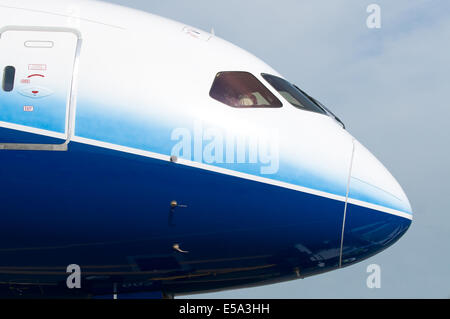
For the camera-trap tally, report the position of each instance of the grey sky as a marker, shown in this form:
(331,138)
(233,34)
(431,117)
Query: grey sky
(390,86)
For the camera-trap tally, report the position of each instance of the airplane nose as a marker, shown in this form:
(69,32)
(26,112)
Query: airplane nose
(372,183)
(378,212)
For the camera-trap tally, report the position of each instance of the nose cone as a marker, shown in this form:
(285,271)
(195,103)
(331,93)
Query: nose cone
(378,212)
(372,183)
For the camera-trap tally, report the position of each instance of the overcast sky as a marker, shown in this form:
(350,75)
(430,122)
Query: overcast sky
(390,86)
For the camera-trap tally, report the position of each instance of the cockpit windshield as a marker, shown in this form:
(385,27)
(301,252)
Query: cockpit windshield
(292,94)
(242,90)
(318,103)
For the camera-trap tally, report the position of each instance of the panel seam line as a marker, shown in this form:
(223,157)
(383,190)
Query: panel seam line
(346,202)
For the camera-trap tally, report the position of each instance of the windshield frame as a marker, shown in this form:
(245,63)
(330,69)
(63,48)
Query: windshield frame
(320,104)
(282,85)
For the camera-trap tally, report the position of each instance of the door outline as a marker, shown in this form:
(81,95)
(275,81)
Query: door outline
(70,108)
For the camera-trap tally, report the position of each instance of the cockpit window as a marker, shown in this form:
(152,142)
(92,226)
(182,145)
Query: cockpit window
(292,94)
(242,90)
(318,103)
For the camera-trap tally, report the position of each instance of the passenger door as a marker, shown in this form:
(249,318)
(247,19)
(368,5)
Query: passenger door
(37,92)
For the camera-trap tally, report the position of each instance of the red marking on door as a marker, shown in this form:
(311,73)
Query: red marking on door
(41,75)
(28,108)
(35,92)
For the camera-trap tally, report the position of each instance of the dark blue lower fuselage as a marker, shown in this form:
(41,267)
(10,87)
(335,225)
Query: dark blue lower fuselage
(109,212)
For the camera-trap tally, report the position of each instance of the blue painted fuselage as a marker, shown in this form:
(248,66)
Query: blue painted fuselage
(110,212)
